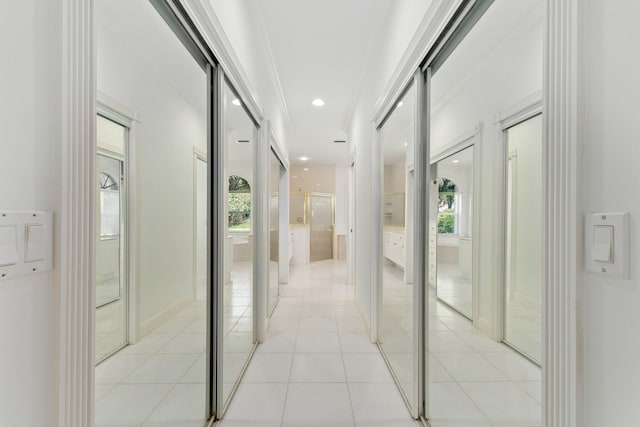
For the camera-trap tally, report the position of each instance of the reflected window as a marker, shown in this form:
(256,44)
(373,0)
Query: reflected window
(239,204)
(109,207)
(447,206)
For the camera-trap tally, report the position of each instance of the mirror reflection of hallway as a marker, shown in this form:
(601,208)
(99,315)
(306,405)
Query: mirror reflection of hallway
(454,218)
(523,257)
(398,328)
(111,283)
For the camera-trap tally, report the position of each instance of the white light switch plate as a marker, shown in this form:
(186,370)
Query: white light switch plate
(596,250)
(30,259)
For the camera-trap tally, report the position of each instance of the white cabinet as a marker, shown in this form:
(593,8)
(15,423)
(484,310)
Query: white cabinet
(300,244)
(393,246)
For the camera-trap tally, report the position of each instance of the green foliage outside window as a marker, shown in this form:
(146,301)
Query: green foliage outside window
(446,222)
(239,204)
(447,190)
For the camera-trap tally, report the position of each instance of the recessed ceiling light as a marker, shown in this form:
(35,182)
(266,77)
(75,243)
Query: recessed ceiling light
(455,161)
(236,102)
(303,158)
(405,144)
(306,169)
(400,104)
(318,102)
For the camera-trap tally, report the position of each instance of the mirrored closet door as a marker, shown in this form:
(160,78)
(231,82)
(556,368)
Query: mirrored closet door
(523,241)
(275,171)
(452,256)
(111,269)
(398,330)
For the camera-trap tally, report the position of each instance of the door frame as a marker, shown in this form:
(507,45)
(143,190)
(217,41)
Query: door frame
(307,202)
(472,138)
(275,150)
(421,84)
(528,108)
(113,110)
(198,156)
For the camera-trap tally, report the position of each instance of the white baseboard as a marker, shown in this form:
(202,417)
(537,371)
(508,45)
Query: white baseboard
(148,326)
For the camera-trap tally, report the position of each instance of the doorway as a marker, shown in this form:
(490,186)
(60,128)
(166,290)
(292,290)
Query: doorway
(452,256)
(112,302)
(321,226)
(276,172)
(523,244)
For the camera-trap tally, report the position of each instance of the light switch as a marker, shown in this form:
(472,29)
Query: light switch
(8,246)
(34,248)
(606,244)
(603,243)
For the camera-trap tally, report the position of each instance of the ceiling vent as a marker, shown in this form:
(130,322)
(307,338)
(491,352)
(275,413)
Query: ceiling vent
(339,141)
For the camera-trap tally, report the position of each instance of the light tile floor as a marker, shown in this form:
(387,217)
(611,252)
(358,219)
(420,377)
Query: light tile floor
(317,366)
(473,380)
(160,381)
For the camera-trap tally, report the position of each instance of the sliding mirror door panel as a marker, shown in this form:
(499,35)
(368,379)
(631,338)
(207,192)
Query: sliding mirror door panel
(487,77)
(111,241)
(238,340)
(275,168)
(150,80)
(523,243)
(397,335)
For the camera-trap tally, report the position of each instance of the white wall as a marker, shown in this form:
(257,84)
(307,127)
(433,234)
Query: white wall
(395,177)
(30,42)
(525,141)
(319,178)
(243,30)
(610,178)
(342,195)
(171,123)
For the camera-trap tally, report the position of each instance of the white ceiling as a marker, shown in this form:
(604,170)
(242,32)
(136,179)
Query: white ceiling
(320,50)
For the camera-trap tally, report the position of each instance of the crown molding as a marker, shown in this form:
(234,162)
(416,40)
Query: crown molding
(271,63)
(211,29)
(425,37)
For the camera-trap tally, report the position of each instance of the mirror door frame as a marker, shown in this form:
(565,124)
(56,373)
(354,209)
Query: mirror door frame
(468,139)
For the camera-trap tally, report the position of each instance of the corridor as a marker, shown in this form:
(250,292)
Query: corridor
(317,366)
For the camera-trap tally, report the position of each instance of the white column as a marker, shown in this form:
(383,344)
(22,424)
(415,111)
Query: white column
(561,216)
(77,216)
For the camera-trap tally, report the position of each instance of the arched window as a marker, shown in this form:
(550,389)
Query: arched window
(239,204)
(109,207)
(107,182)
(448,202)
